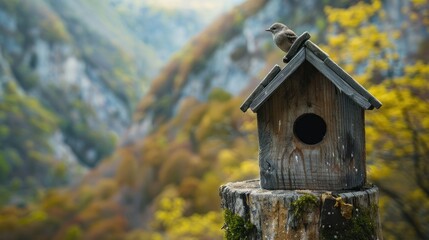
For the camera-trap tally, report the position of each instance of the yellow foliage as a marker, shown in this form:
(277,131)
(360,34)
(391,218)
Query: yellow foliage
(398,133)
(379,171)
(169,211)
(34,217)
(419,3)
(207,226)
(249,126)
(170,215)
(207,192)
(337,40)
(227,158)
(248,169)
(353,16)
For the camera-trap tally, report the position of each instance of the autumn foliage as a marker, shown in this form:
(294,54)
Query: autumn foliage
(165,186)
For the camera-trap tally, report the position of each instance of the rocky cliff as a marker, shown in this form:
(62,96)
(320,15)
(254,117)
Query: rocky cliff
(71,75)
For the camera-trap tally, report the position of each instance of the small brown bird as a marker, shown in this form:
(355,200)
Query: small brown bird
(282,35)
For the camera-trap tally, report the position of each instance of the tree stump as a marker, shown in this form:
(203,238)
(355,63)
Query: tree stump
(255,213)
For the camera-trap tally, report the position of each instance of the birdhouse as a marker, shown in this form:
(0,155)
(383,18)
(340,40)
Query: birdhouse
(311,123)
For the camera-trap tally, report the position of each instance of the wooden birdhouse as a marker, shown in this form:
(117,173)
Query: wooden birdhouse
(310,123)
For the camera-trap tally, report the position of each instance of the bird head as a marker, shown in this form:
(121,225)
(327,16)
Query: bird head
(276,27)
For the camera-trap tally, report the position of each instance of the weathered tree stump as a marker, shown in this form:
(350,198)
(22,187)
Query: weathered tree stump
(255,213)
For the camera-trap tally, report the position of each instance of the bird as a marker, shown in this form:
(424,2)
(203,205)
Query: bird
(282,36)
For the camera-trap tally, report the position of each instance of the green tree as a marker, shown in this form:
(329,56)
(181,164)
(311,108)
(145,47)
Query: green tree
(25,152)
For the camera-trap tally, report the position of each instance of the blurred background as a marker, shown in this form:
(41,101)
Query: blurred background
(120,119)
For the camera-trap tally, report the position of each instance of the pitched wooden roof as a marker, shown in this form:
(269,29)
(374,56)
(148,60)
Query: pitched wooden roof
(303,49)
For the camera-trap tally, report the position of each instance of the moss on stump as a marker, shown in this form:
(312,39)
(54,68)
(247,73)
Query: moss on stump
(255,213)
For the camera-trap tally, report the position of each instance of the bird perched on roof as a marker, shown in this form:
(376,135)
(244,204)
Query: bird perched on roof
(282,36)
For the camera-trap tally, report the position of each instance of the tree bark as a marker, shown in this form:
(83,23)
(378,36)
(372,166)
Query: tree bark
(254,213)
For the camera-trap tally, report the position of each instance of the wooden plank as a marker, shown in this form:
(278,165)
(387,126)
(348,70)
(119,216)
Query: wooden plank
(279,79)
(265,81)
(316,50)
(251,97)
(270,76)
(355,85)
(337,80)
(296,46)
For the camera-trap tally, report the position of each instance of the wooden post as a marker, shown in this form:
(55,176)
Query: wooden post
(255,213)
(311,130)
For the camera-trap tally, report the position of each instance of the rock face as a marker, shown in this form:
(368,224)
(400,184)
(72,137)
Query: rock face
(53,72)
(71,73)
(85,62)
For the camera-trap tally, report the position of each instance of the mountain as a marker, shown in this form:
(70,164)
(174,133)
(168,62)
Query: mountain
(72,73)
(168,25)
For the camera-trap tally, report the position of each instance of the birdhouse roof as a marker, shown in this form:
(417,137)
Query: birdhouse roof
(305,50)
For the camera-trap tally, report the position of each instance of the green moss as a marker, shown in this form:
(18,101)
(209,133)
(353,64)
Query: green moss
(361,226)
(236,227)
(303,204)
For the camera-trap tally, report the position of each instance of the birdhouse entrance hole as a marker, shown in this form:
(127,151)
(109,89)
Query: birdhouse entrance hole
(309,128)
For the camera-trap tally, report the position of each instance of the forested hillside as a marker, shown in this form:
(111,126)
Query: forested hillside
(188,135)
(72,73)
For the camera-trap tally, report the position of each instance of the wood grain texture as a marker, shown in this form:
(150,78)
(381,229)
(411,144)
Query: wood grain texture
(337,162)
(337,80)
(316,50)
(285,73)
(355,85)
(272,214)
(265,81)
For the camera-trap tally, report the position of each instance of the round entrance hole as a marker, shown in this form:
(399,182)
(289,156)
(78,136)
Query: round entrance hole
(309,128)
